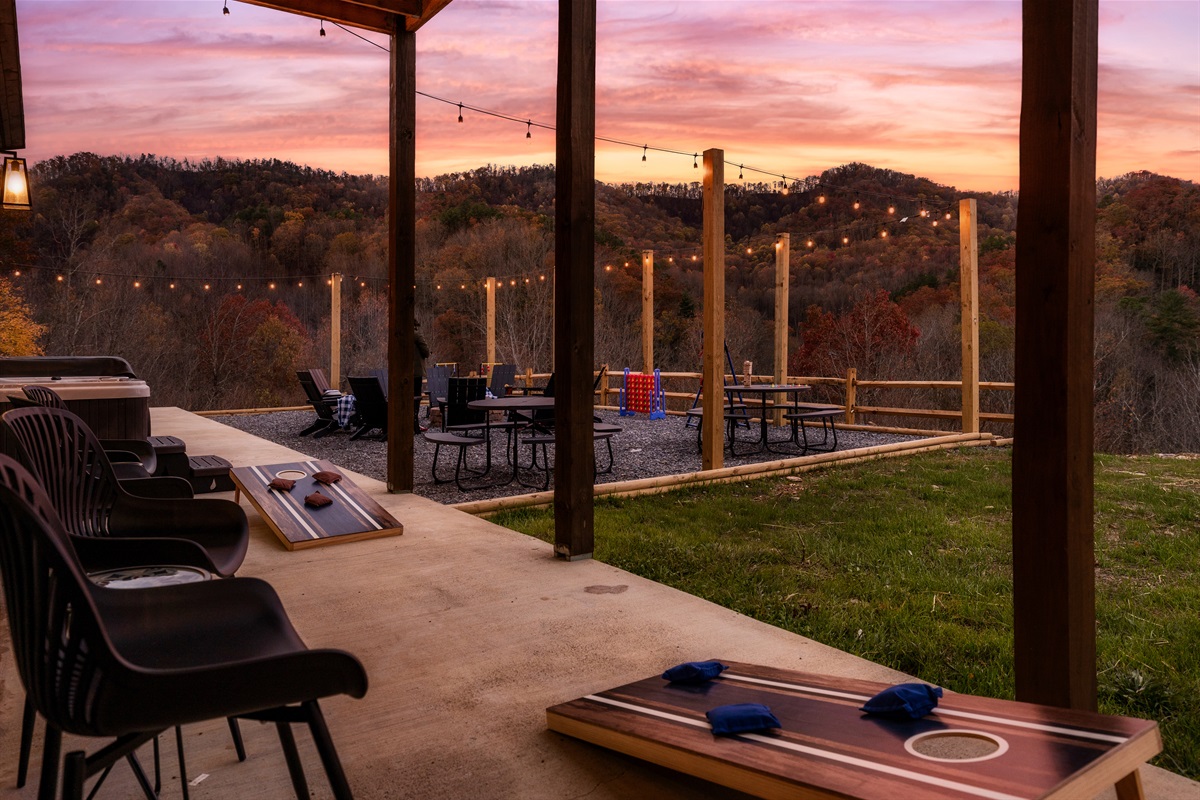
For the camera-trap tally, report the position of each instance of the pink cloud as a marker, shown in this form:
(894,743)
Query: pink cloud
(931,88)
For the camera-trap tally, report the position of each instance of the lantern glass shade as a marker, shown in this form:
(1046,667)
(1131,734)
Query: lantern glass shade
(16,184)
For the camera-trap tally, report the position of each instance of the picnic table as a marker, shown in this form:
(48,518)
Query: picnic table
(763,390)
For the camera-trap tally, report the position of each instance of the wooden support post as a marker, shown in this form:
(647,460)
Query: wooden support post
(402,257)
(851,394)
(712,455)
(1054,616)
(491,324)
(647,311)
(335,330)
(782,285)
(574,265)
(968,282)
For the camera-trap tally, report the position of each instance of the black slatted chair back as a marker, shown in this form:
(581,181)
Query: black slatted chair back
(459,392)
(61,450)
(437,379)
(44,396)
(61,652)
(503,375)
(316,398)
(370,403)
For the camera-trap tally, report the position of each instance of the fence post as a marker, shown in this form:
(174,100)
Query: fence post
(851,394)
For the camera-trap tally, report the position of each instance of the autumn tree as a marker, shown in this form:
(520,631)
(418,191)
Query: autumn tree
(19,334)
(874,336)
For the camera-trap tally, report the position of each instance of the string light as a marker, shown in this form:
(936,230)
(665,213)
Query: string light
(821,199)
(207,287)
(741,177)
(645,147)
(60,278)
(225,11)
(17,273)
(857,205)
(529,129)
(460,112)
(891,209)
(322,29)
(883,234)
(98,281)
(137,284)
(695,162)
(173,286)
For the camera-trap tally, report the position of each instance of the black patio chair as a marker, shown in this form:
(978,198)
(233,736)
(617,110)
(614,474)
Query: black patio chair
(456,416)
(437,379)
(503,376)
(371,405)
(128,665)
(110,526)
(325,405)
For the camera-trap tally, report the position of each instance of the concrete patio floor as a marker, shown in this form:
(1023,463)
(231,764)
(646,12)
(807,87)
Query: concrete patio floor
(468,631)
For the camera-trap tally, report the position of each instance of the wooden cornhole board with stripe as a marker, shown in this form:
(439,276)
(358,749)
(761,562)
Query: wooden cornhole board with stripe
(352,516)
(828,748)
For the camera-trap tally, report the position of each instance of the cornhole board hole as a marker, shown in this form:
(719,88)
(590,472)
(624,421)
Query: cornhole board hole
(351,517)
(968,747)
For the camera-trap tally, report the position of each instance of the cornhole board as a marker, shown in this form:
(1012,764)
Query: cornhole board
(828,748)
(351,517)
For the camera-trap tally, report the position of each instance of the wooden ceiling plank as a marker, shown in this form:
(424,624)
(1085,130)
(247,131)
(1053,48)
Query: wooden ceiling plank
(405,8)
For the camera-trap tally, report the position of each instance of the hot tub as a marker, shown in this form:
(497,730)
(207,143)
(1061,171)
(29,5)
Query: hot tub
(115,407)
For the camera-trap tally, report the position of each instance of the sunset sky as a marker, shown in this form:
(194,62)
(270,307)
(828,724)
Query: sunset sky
(791,86)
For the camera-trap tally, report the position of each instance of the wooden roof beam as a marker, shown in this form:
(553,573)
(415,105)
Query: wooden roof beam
(372,15)
(345,13)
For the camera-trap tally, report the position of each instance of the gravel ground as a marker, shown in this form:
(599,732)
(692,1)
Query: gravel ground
(644,448)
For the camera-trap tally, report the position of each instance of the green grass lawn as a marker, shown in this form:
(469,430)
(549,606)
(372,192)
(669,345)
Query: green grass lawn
(908,562)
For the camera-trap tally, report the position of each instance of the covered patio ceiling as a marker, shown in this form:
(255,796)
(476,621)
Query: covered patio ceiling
(381,16)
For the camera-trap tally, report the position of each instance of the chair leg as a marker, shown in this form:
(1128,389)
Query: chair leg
(292,757)
(236,732)
(140,775)
(27,722)
(74,774)
(183,778)
(51,751)
(329,756)
(157,768)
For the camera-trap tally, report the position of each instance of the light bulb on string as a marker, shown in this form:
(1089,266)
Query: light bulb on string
(172,286)
(891,209)
(845,240)
(821,198)
(695,161)
(785,185)
(528,129)
(948,215)
(225,11)
(810,243)
(645,147)
(695,258)
(883,234)
(749,250)
(60,278)
(98,281)
(857,205)
(460,112)
(17,273)
(741,169)
(322,29)
(137,284)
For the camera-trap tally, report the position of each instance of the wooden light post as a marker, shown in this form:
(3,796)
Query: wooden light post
(491,324)
(712,455)
(782,283)
(647,311)
(335,330)
(968,282)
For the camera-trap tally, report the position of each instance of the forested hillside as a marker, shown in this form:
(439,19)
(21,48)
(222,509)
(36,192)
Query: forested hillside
(211,278)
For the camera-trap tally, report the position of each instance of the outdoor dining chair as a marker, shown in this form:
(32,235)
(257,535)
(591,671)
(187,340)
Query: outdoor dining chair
(128,665)
(371,405)
(144,460)
(110,526)
(456,416)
